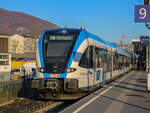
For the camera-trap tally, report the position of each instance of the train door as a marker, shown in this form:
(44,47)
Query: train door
(104,66)
(90,74)
(97,66)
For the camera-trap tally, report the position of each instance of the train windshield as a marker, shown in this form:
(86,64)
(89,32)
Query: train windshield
(58,46)
(57,49)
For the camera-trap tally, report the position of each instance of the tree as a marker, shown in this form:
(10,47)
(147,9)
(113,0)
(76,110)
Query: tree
(35,31)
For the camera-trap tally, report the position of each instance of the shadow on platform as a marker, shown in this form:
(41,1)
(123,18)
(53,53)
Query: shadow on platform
(133,105)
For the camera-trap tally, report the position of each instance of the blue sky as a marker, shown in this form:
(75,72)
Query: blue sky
(109,19)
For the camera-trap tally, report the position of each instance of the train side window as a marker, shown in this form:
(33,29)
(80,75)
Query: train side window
(109,61)
(90,54)
(104,57)
(45,45)
(98,58)
(115,61)
(126,63)
(121,61)
(90,57)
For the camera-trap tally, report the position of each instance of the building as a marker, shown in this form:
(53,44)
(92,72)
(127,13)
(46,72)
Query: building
(136,44)
(129,47)
(142,52)
(18,46)
(30,45)
(4,43)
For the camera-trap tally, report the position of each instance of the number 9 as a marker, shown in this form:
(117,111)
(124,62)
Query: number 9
(142,12)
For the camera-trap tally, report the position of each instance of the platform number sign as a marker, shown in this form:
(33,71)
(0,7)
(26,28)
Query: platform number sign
(142,13)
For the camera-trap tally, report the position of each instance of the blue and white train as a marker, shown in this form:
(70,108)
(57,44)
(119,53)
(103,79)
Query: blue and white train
(74,60)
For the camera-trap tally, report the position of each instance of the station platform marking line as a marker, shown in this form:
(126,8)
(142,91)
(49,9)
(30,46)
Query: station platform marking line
(96,97)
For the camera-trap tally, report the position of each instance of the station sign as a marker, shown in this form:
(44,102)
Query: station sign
(144,40)
(142,13)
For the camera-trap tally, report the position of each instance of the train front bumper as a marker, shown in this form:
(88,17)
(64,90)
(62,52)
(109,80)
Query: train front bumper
(68,85)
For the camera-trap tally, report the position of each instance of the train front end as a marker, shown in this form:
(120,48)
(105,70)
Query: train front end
(54,51)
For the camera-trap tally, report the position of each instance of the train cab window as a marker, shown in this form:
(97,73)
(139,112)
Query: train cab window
(86,60)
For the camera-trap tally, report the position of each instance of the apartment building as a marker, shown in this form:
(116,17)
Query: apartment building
(17,44)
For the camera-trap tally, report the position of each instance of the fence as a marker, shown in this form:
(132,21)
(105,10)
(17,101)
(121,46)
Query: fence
(14,89)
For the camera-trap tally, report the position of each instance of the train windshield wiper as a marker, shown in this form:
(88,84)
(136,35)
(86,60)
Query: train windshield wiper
(62,58)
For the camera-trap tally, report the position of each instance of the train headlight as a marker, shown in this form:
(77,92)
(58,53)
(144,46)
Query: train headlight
(69,70)
(41,70)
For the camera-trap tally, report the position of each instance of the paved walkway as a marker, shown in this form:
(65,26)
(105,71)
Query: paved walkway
(126,95)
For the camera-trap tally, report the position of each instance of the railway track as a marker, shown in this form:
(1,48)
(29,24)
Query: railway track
(36,104)
(27,105)
(42,106)
(39,105)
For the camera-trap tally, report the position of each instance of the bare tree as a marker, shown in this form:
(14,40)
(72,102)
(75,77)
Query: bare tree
(15,45)
(35,33)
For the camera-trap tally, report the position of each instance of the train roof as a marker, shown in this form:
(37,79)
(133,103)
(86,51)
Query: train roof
(107,43)
(70,30)
(92,36)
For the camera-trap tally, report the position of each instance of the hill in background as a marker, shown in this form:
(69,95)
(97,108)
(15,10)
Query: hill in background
(16,22)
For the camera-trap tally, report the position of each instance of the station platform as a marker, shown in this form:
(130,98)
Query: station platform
(125,95)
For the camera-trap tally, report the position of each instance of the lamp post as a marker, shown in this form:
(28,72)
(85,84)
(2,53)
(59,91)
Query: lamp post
(122,43)
(148,75)
(23,70)
(148,27)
